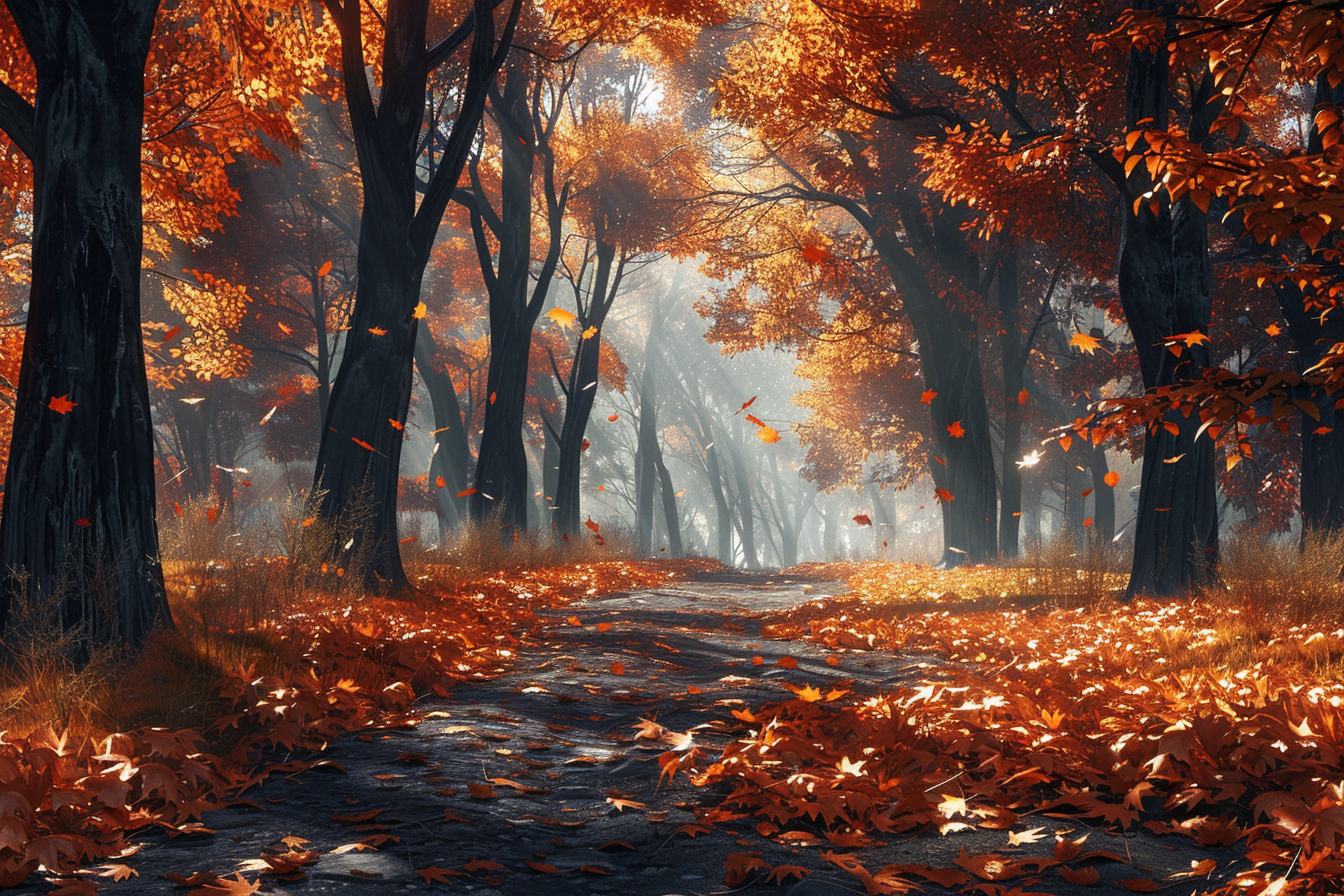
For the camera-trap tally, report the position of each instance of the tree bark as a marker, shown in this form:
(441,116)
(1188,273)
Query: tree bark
(358,460)
(1164,283)
(501,461)
(1014,359)
(79,536)
(452,453)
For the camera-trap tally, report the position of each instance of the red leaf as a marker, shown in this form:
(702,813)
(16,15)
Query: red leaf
(62,404)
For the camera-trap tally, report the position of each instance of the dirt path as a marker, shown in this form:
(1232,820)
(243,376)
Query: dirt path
(559,733)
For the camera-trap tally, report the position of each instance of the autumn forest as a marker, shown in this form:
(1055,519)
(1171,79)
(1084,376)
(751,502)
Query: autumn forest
(672,446)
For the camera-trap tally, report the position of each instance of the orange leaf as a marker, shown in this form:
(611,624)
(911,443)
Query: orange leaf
(613,418)
(746,404)
(863,519)
(224,886)
(439,482)
(768,434)
(1273,330)
(604,626)
(927,396)
(542,867)
(83,522)
(481,791)
(1065,442)
(1022,397)
(955,430)
(377,331)
(419,311)
(169,335)
(741,866)
(943,494)
(787,662)
(1083,877)
(438,875)
(465,492)
(396,424)
(618,668)
(816,254)
(62,404)
(363,444)
(758,660)
(1112,479)
(1085,342)
(324,270)
(482,865)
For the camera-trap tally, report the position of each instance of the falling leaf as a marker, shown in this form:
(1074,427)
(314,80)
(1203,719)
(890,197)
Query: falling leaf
(768,434)
(1029,460)
(618,668)
(324,270)
(174,331)
(465,492)
(1085,342)
(83,522)
(377,331)
(1172,460)
(943,494)
(365,445)
(955,429)
(419,311)
(787,662)
(1065,442)
(1112,479)
(927,396)
(396,424)
(604,626)
(613,418)
(863,519)
(621,803)
(269,415)
(746,404)
(562,318)
(1273,330)
(1022,397)
(62,404)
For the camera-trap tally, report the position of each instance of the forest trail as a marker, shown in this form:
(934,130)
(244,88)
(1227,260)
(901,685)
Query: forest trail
(558,736)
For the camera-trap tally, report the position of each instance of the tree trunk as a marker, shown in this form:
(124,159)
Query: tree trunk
(646,445)
(671,518)
(358,460)
(452,453)
(79,537)
(746,517)
(1164,283)
(1014,359)
(1322,464)
(501,464)
(580,393)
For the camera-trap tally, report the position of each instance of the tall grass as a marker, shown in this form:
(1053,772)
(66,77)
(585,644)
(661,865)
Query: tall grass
(1071,569)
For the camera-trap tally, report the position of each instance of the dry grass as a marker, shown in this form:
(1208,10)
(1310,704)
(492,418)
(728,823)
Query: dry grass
(230,593)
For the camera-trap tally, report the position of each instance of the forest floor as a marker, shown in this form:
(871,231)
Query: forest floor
(548,778)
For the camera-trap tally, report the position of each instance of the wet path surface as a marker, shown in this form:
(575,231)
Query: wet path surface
(575,804)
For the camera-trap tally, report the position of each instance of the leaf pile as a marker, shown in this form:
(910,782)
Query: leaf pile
(337,669)
(1105,715)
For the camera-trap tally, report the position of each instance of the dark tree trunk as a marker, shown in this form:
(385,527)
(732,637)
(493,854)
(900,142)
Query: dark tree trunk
(1164,282)
(671,519)
(1322,462)
(949,358)
(358,460)
(746,515)
(1014,359)
(79,537)
(191,424)
(452,453)
(581,392)
(552,421)
(646,446)
(1103,498)
(501,464)
(723,513)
